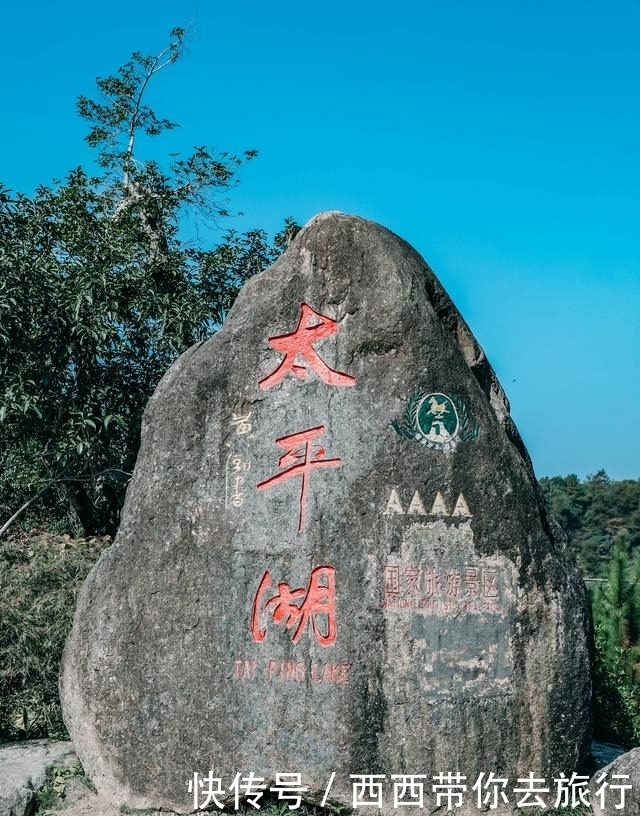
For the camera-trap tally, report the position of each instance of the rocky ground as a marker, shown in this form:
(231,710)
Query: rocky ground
(45,777)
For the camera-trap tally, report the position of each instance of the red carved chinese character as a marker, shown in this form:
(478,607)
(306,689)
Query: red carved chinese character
(412,578)
(452,584)
(297,607)
(471,582)
(490,584)
(303,458)
(431,582)
(392,580)
(300,344)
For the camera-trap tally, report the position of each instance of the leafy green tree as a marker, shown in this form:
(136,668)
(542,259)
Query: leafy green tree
(616,603)
(561,496)
(592,513)
(99,293)
(616,613)
(616,697)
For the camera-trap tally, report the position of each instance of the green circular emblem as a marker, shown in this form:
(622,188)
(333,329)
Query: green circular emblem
(438,420)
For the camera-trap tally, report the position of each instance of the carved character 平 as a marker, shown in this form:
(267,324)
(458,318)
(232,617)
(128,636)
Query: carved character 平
(302,457)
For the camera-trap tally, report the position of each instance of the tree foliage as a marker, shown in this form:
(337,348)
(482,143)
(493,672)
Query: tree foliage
(100,292)
(602,520)
(616,614)
(593,512)
(616,601)
(40,576)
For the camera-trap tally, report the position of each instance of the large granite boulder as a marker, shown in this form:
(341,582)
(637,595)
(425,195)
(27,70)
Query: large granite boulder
(333,558)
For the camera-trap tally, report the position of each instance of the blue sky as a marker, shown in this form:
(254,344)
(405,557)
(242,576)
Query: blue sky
(501,139)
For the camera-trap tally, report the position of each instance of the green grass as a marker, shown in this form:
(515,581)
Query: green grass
(52,793)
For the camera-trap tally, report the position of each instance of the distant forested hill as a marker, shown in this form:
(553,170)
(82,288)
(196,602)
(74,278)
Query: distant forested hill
(593,512)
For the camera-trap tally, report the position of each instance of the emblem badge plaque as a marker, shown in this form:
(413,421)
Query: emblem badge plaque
(436,420)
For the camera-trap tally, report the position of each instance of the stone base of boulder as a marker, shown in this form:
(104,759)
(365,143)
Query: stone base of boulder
(88,803)
(23,769)
(607,796)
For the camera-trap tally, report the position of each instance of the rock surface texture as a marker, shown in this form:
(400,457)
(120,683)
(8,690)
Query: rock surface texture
(23,769)
(615,789)
(333,555)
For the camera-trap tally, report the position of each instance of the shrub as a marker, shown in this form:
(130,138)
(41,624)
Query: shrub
(616,694)
(40,575)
